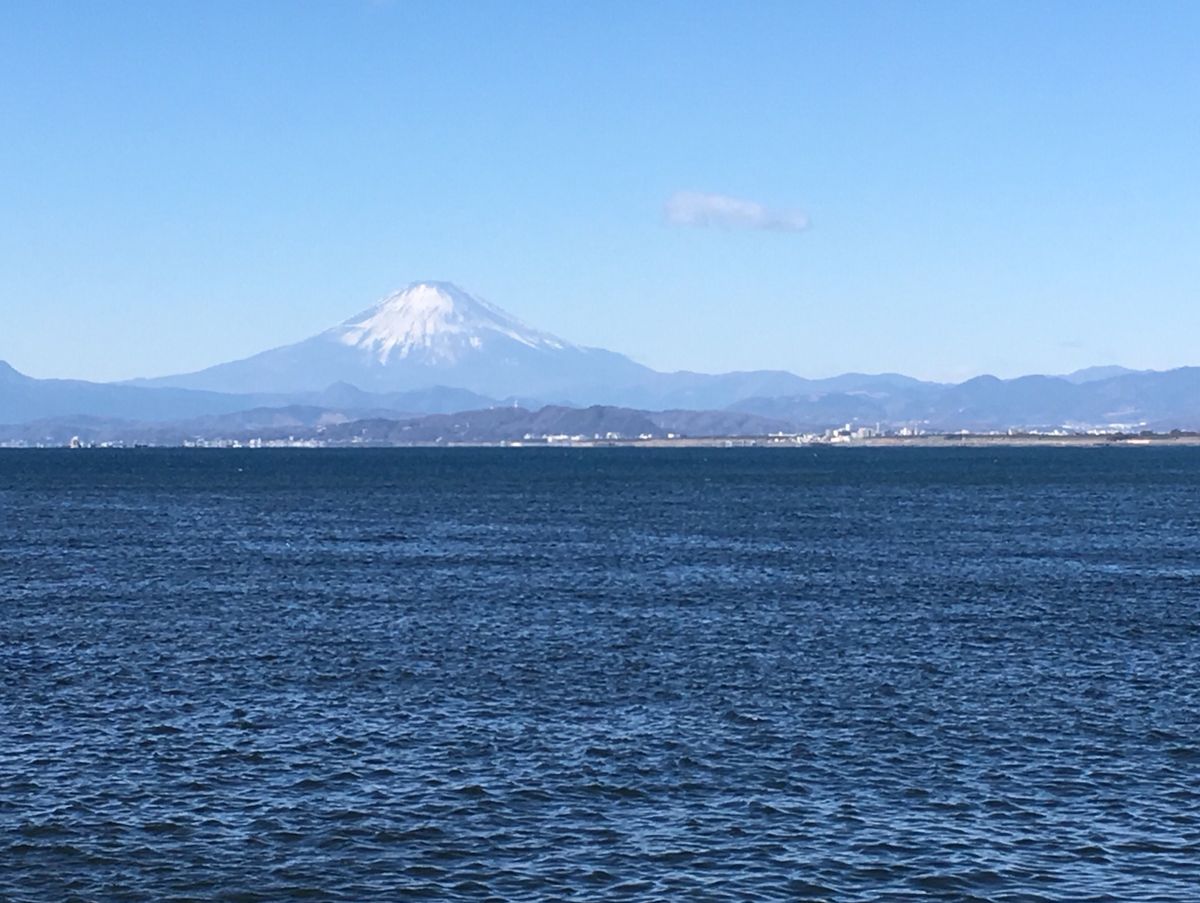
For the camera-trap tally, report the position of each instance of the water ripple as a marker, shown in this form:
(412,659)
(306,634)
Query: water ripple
(601,675)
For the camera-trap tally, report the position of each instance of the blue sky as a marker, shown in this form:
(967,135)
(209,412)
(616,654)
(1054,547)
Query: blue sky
(985,187)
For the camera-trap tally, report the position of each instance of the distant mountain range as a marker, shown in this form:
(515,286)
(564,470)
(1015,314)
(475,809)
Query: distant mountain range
(495,424)
(434,349)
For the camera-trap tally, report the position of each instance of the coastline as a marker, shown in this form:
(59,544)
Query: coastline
(943,441)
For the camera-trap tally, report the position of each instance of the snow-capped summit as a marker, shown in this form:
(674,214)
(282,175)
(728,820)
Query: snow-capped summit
(427,334)
(435,321)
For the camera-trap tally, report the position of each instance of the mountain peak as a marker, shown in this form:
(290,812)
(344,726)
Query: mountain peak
(1096,374)
(435,320)
(9,373)
(426,334)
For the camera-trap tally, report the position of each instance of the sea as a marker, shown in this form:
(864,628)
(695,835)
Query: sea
(600,674)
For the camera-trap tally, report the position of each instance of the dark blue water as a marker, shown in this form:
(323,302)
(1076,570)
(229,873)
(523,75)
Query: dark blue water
(600,674)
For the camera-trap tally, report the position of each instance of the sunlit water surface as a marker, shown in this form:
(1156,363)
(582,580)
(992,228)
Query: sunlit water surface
(600,674)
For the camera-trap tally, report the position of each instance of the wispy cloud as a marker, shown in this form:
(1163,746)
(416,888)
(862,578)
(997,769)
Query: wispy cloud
(700,208)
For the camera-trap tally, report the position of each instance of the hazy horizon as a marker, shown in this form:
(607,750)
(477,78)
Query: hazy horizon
(1081,370)
(937,190)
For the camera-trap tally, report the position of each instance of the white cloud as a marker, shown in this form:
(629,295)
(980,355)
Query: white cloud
(700,208)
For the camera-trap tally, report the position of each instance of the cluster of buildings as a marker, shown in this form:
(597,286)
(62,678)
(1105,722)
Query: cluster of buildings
(840,435)
(846,434)
(563,438)
(289,442)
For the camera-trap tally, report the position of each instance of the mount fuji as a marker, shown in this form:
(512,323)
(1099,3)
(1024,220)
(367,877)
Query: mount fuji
(432,348)
(427,334)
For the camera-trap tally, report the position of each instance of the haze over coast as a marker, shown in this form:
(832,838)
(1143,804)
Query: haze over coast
(393,373)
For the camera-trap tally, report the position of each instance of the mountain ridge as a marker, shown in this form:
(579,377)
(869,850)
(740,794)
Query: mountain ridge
(432,348)
(426,333)
(1161,400)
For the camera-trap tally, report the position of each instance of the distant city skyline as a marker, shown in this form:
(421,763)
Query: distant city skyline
(937,189)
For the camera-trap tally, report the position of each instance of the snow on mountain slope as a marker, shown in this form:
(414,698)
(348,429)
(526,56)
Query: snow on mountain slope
(429,333)
(436,321)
